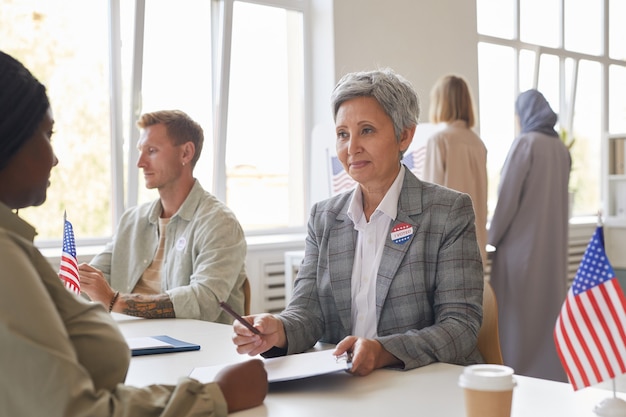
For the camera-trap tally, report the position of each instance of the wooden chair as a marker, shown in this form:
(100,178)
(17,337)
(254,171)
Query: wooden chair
(488,336)
(246,297)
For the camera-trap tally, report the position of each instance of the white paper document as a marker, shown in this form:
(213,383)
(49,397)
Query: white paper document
(135,343)
(285,368)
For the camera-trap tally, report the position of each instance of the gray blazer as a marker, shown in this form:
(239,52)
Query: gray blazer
(428,290)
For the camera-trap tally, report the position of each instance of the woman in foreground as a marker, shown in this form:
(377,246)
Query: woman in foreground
(59,354)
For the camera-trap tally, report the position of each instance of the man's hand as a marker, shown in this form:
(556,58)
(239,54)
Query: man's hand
(93,283)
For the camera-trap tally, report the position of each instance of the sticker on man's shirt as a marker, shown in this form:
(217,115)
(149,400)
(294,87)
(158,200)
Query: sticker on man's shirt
(181,243)
(401,233)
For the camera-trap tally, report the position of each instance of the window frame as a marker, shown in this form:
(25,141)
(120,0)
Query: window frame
(221,26)
(567,104)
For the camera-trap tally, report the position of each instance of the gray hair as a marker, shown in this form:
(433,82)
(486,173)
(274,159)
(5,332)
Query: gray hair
(393,92)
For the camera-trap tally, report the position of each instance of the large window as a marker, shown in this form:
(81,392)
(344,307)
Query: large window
(266,117)
(574,52)
(70,56)
(235,66)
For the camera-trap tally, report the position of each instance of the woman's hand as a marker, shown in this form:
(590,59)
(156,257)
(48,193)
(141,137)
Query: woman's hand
(244,385)
(272,333)
(367,354)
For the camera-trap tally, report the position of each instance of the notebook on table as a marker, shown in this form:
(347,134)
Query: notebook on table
(152,345)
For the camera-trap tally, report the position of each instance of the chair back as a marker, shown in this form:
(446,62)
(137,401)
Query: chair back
(247,294)
(488,336)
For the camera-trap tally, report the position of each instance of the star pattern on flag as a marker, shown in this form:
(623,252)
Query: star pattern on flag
(594,268)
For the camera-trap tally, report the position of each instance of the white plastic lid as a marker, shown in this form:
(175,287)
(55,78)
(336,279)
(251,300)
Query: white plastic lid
(487,378)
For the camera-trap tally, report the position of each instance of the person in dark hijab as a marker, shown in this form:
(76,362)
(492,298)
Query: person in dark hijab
(60,354)
(529,230)
(534,113)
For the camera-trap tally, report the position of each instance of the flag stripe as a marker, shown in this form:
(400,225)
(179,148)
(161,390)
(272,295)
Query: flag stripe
(617,299)
(70,277)
(72,281)
(608,344)
(598,357)
(69,268)
(571,362)
(68,274)
(419,157)
(71,286)
(581,350)
(341,181)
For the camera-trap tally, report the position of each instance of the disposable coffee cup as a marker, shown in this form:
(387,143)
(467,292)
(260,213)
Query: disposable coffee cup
(488,390)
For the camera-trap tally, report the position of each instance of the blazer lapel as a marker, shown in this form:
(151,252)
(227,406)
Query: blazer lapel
(409,206)
(341,248)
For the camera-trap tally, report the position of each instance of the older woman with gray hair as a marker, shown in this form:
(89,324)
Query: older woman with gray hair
(59,354)
(392,272)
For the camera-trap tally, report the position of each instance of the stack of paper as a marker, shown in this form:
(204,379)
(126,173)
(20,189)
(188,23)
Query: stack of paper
(284,368)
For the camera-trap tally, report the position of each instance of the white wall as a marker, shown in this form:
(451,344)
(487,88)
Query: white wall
(420,39)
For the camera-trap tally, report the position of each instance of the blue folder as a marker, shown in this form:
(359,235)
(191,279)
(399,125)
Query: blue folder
(177,346)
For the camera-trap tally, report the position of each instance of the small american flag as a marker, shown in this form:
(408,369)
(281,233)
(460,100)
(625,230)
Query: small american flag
(589,333)
(69,265)
(414,161)
(341,181)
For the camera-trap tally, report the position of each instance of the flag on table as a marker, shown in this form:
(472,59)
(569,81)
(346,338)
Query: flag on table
(589,333)
(69,264)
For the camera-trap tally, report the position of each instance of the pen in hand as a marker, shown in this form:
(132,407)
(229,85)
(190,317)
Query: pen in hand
(237,317)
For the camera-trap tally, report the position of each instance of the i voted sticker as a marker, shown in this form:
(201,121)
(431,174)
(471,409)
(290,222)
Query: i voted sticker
(181,243)
(401,233)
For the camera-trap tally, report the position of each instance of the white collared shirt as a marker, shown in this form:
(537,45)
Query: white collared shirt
(368,252)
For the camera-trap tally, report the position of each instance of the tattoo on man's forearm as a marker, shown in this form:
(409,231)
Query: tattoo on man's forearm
(150,307)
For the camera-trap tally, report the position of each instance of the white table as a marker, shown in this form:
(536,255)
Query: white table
(427,391)
(215,342)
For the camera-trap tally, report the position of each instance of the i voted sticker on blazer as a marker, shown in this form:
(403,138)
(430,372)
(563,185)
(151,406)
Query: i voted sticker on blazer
(401,233)
(181,243)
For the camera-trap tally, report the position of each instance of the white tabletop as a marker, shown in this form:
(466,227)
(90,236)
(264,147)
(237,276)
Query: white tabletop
(215,342)
(427,391)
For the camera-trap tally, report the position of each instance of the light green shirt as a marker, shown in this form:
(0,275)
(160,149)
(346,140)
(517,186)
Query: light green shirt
(204,256)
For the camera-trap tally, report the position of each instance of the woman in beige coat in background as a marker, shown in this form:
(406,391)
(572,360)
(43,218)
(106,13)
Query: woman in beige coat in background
(455,156)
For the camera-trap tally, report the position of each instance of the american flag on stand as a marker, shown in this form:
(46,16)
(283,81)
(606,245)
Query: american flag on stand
(590,332)
(68,271)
